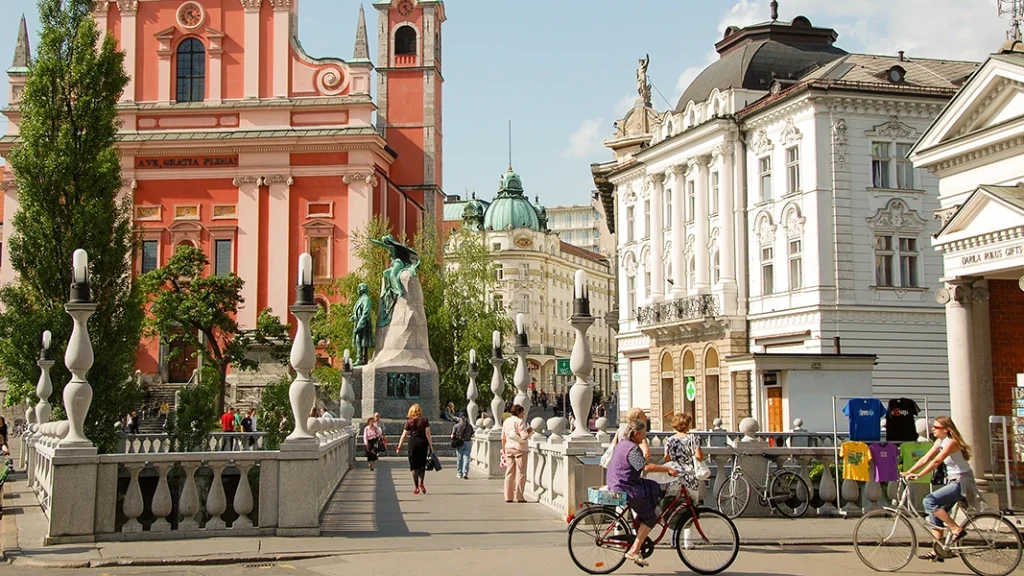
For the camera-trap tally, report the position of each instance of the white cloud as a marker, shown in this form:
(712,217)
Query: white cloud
(586,140)
(953,29)
(624,105)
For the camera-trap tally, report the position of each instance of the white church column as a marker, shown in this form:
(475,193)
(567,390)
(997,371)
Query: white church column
(726,239)
(249,247)
(701,236)
(657,237)
(963,400)
(278,252)
(251,81)
(282,52)
(678,231)
(129,11)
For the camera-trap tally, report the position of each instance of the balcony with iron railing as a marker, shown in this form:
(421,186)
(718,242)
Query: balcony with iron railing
(679,310)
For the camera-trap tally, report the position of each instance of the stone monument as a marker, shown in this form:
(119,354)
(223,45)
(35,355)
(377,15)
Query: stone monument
(401,372)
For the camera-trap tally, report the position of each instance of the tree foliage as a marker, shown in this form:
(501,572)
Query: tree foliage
(200,311)
(69,180)
(195,414)
(275,413)
(454,299)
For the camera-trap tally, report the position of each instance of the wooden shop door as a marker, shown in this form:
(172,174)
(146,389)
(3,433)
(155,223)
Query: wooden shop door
(775,409)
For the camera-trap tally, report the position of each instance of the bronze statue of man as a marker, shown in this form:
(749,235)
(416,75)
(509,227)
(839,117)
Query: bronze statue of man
(362,327)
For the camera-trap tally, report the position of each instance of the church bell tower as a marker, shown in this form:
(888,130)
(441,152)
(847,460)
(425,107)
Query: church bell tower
(409,97)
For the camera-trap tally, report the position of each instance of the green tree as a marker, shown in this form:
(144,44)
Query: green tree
(275,413)
(69,179)
(454,299)
(195,414)
(200,311)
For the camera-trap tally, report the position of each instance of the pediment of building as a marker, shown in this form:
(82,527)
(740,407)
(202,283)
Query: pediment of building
(988,210)
(993,96)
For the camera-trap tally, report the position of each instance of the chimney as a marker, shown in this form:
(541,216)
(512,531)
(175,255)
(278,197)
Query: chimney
(836,348)
(901,56)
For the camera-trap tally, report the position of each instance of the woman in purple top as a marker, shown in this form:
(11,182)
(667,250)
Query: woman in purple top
(624,471)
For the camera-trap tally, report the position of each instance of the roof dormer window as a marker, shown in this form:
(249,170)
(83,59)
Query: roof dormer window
(896,75)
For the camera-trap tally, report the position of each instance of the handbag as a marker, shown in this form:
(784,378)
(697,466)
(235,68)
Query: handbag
(606,458)
(457,443)
(503,459)
(701,469)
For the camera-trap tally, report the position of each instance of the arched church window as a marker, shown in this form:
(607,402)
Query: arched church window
(191,75)
(405,41)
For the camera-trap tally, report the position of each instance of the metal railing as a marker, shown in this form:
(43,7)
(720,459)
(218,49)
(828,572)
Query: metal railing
(679,310)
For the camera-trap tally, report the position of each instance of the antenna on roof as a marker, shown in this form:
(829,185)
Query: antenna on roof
(1015,9)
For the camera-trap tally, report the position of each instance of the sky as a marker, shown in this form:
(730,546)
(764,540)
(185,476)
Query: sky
(562,72)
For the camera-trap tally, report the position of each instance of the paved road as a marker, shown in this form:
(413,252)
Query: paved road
(552,559)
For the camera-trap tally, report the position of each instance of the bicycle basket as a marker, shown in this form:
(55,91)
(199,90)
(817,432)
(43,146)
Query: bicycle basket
(606,497)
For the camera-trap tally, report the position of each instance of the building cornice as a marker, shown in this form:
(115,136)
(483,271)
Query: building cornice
(974,146)
(980,240)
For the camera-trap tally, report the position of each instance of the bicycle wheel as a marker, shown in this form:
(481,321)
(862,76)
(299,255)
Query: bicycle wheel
(598,539)
(789,494)
(884,541)
(734,496)
(992,546)
(707,544)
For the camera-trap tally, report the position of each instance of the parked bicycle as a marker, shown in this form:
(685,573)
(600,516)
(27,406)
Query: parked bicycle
(885,540)
(782,490)
(707,541)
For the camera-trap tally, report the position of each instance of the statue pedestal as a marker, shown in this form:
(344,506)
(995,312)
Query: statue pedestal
(402,373)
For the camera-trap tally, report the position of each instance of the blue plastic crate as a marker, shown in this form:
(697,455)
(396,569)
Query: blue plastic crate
(606,497)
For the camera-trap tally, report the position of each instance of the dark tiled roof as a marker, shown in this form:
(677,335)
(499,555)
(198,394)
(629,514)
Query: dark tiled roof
(582,253)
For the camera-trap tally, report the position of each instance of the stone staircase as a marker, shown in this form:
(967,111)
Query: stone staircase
(152,422)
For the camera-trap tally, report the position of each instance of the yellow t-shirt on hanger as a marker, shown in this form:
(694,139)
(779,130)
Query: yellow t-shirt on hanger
(856,456)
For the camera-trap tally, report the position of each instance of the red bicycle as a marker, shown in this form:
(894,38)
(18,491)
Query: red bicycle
(706,540)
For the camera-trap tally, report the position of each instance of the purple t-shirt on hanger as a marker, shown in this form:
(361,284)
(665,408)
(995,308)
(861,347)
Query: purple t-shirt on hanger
(885,457)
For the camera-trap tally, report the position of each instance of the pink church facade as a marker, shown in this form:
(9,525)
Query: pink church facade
(237,142)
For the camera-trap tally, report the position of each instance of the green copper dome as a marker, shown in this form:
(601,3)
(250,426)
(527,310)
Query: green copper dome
(511,209)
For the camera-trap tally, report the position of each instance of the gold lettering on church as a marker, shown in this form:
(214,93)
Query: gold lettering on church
(186,162)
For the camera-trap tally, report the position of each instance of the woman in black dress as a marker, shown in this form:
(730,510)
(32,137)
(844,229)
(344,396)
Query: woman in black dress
(417,430)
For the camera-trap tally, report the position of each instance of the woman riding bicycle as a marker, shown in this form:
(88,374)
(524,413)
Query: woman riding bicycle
(624,470)
(950,449)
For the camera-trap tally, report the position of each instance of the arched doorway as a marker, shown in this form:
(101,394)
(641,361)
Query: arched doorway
(690,385)
(712,400)
(668,403)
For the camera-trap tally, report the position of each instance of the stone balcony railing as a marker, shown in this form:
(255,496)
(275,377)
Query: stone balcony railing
(217,442)
(679,310)
(149,493)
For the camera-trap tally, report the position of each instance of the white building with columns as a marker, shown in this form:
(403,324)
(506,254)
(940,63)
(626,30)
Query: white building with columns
(973,148)
(774,210)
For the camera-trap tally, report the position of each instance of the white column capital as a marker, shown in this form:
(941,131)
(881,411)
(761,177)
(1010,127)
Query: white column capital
(128,7)
(281,5)
(278,179)
(679,170)
(99,8)
(240,181)
(252,5)
(657,178)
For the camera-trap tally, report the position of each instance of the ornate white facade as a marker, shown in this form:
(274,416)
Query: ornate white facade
(774,216)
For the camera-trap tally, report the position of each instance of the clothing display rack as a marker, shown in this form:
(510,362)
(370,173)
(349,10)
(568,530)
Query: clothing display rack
(835,438)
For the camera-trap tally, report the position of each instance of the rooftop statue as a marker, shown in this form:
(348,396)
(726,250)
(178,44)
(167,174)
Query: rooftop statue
(402,258)
(643,88)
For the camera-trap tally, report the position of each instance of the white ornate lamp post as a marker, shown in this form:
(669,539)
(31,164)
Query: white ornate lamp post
(78,357)
(45,386)
(348,395)
(581,395)
(471,392)
(522,374)
(497,383)
(302,394)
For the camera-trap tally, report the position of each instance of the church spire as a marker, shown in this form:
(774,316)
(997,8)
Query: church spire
(362,50)
(22,50)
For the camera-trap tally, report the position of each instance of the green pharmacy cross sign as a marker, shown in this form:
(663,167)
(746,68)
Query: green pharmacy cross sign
(691,388)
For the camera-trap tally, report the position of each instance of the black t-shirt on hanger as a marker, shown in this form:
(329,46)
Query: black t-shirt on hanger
(900,421)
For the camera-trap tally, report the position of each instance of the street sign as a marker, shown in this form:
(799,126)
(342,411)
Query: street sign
(562,367)
(615,377)
(691,389)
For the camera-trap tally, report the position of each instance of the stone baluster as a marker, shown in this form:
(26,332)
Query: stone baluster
(243,496)
(521,376)
(216,501)
(804,461)
(188,502)
(872,494)
(45,387)
(303,357)
(892,492)
(347,410)
(79,355)
(721,475)
(133,504)
(581,394)
(851,495)
(472,410)
(557,427)
(162,504)
(749,427)
(497,383)
(827,491)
